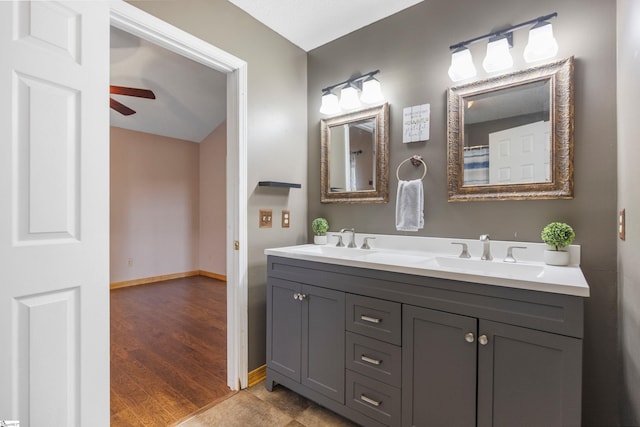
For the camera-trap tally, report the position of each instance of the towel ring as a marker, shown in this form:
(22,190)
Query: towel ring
(415,160)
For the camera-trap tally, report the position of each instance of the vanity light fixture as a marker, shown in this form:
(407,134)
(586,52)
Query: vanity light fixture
(498,57)
(541,46)
(371,91)
(364,89)
(461,65)
(349,99)
(330,103)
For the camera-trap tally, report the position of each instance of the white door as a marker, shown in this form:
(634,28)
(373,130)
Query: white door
(520,154)
(54,227)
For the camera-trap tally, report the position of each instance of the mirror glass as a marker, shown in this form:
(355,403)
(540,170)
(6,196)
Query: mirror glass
(354,157)
(511,137)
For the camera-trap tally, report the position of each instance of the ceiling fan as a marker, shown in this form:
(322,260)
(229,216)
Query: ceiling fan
(129,91)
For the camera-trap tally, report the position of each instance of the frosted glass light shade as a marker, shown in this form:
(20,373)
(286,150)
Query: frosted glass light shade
(498,57)
(461,65)
(542,44)
(349,98)
(330,104)
(371,91)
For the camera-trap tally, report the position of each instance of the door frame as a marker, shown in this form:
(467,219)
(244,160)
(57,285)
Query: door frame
(146,26)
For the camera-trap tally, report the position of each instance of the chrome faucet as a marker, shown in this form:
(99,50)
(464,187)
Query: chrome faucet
(352,243)
(365,243)
(486,247)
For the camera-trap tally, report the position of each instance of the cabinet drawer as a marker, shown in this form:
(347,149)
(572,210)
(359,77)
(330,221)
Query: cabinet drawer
(376,359)
(374,318)
(374,399)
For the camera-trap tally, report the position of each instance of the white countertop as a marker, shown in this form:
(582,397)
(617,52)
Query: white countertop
(437,257)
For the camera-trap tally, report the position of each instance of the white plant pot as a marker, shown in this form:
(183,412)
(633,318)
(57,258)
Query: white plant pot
(552,257)
(320,240)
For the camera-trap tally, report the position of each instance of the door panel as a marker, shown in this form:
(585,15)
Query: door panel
(439,368)
(521,371)
(54,229)
(283,320)
(323,346)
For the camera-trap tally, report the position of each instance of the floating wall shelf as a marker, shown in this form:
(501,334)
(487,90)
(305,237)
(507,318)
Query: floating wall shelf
(278,184)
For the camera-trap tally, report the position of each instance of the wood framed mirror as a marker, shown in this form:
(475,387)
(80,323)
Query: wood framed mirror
(511,137)
(354,157)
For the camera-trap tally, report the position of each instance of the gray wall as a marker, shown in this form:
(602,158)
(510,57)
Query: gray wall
(277,128)
(629,199)
(411,51)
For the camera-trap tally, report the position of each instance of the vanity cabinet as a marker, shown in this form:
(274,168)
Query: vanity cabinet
(306,343)
(394,349)
(518,376)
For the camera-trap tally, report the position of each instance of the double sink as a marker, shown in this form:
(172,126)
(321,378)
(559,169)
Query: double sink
(426,259)
(439,260)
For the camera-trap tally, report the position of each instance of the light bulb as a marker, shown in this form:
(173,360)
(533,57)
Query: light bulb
(371,91)
(349,97)
(461,65)
(542,44)
(330,104)
(498,57)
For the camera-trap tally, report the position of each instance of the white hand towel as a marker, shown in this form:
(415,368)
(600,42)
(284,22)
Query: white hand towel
(410,206)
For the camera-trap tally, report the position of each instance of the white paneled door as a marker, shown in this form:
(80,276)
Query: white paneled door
(54,228)
(521,154)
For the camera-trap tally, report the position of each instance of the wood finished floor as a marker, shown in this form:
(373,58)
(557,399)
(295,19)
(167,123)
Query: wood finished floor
(168,350)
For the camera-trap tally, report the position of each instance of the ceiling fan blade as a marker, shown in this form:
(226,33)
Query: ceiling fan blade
(132,91)
(120,107)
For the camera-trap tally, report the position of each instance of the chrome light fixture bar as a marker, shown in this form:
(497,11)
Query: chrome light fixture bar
(367,84)
(541,45)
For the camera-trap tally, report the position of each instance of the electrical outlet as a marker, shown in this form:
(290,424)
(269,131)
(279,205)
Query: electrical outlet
(621,224)
(266,218)
(286,219)
(130,262)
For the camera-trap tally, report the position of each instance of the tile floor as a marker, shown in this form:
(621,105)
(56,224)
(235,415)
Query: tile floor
(258,407)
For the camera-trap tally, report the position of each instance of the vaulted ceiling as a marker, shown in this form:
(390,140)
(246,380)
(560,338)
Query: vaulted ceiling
(191,98)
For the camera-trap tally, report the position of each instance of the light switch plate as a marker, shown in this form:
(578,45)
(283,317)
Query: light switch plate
(286,219)
(266,218)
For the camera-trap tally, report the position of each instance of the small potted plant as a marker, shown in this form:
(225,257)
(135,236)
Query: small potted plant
(559,235)
(320,226)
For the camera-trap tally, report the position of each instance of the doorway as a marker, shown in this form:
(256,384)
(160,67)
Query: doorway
(141,24)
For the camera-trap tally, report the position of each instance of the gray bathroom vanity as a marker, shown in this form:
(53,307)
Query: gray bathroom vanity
(387,348)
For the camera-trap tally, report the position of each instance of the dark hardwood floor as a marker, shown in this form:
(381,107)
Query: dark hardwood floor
(168,350)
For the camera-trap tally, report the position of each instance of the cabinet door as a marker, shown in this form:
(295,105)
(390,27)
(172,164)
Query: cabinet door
(284,327)
(438,368)
(527,377)
(323,321)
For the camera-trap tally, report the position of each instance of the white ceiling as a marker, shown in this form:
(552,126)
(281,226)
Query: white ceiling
(191,98)
(312,23)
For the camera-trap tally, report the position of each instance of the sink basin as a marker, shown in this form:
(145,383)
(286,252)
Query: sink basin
(394,258)
(332,251)
(476,266)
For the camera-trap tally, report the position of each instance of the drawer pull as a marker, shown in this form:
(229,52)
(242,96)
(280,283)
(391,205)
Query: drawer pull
(370,319)
(370,360)
(369,400)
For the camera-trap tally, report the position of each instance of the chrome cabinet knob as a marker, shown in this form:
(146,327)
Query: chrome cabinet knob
(302,296)
(299,296)
(483,340)
(468,337)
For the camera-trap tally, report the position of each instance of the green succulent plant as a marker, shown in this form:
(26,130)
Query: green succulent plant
(558,235)
(320,226)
